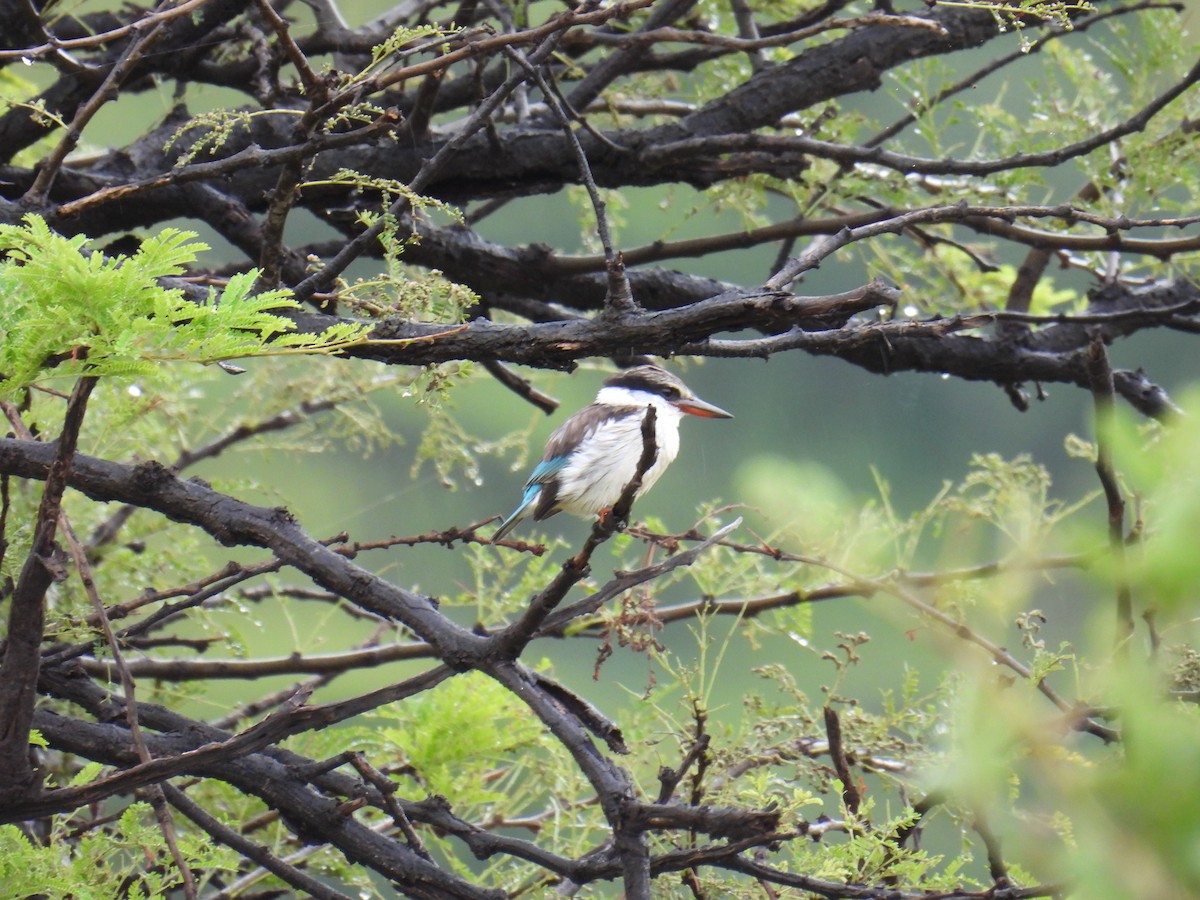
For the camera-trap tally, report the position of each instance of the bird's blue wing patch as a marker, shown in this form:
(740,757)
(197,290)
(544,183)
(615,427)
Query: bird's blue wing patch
(530,496)
(544,471)
(522,511)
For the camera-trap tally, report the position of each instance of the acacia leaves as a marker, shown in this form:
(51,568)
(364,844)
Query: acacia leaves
(70,311)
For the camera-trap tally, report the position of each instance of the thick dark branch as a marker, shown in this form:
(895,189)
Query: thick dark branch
(559,344)
(27,610)
(314,815)
(182,41)
(853,63)
(683,149)
(930,347)
(187,746)
(232,522)
(1051,355)
(613,785)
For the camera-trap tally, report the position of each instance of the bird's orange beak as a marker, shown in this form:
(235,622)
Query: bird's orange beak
(697,407)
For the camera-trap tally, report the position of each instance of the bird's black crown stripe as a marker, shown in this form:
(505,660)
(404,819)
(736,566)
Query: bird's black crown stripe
(650,379)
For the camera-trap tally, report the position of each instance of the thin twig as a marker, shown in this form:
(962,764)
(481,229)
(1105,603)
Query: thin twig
(40,189)
(1100,374)
(387,789)
(550,35)
(624,581)
(315,86)
(522,387)
(669,778)
(901,586)
(249,158)
(246,669)
(991,842)
(55,45)
(230,837)
(286,191)
(1076,717)
(619,299)
(158,802)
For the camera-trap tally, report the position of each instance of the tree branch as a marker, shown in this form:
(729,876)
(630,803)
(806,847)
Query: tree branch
(27,610)
(261,855)
(1101,377)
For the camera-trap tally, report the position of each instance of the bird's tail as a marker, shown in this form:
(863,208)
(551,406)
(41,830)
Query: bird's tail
(519,513)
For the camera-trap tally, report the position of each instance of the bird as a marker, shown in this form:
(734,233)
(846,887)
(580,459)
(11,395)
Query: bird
(593,456)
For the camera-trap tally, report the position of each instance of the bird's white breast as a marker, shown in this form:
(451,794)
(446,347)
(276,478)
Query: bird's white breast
(607,459)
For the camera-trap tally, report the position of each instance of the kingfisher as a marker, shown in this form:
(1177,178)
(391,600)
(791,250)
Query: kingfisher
(591,458)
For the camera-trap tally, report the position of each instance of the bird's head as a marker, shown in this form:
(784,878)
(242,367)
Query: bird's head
(637,386)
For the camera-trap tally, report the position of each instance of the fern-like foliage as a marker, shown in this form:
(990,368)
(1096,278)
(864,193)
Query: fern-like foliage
(69,311)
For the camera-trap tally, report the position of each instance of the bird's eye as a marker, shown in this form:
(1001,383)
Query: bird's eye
(670,392)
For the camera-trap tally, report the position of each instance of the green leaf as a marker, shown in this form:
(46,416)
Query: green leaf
(70,312)
(87,773)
